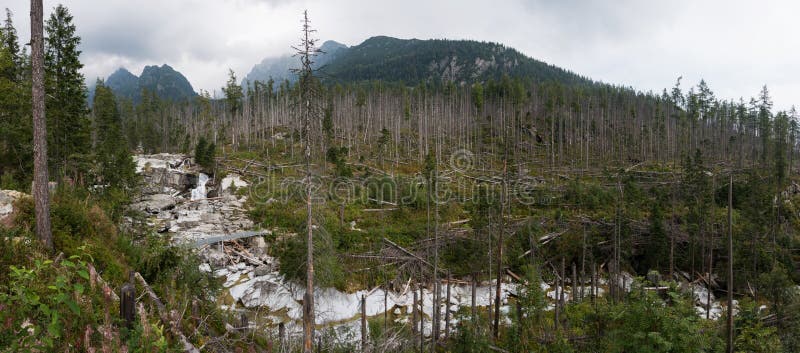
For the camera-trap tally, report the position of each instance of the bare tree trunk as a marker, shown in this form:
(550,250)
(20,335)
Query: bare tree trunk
(574,283)
(363,323)
(414,313)
(730,267)
(307,52)
(421,320)
(562,296)
(503,201)
(474,302)
(447,309)
(41,194)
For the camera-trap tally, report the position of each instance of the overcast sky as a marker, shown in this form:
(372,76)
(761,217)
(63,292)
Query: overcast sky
(736,46)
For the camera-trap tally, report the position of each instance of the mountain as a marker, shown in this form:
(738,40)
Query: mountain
(459,61)
(279,68)
(123,83)
(167,83)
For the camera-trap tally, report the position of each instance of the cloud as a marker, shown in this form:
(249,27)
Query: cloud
(736,45)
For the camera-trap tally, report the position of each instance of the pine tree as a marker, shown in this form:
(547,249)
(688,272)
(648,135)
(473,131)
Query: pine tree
(200,151)
(11,44)
(67,113)
(116,167)
(764,107)
(16,151)
(233,94)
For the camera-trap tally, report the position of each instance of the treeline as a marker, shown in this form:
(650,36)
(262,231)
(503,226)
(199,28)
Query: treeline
(84,147)
(556,126)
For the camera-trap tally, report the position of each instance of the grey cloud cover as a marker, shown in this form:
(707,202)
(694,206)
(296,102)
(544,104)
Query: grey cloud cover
(736,45)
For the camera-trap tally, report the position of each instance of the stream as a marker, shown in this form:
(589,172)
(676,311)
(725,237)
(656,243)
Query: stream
(188,206)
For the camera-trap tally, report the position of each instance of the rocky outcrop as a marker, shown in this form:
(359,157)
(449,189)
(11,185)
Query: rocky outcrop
(7,200)
(177,205)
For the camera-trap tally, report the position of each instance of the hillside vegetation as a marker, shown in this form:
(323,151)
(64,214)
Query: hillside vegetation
(410,162)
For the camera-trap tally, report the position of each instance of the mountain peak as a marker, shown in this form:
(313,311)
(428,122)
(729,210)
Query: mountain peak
(278,68)
(163,80)
(122,71)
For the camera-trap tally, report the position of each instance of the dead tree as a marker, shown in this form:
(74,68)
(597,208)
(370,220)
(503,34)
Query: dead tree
(308,102)
(730,267)
(127,303)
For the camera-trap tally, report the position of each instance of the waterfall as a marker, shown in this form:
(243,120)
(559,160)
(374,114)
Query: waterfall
(200,191)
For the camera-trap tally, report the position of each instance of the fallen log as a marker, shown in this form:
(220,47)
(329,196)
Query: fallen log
(162,313)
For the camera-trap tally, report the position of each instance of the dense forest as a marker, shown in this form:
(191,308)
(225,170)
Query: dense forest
(517,171)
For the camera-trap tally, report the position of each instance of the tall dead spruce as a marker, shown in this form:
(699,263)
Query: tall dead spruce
(308,94)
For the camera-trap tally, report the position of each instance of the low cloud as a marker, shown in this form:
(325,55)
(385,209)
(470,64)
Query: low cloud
(737,46)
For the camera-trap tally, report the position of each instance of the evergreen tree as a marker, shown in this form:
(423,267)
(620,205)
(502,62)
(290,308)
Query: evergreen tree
(764,107)
(116,167)
(16,151)
(233,94)
(200,151)
(67,113)
(204,153)
(10,40)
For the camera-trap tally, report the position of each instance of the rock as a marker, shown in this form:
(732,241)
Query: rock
(7,199)
(212,193)
(258,242)
(262,270)
(232,181)
(204,267)
(215,257)
(155,203)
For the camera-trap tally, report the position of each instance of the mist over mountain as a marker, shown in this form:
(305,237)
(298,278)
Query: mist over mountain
(279,68)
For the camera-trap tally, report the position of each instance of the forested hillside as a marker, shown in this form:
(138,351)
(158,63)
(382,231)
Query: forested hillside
(439,61)
(590,217)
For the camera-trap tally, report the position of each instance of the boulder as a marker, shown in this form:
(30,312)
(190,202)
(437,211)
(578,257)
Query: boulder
(7,200)
(262,270)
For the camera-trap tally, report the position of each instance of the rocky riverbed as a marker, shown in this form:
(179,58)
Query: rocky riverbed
(181,202)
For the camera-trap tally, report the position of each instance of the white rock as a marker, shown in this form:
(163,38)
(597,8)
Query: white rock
(7,199)
(234,180)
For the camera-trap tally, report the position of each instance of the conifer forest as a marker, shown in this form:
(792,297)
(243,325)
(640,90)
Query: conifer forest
(386,195)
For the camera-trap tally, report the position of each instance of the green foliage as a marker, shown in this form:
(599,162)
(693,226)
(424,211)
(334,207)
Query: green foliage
(778,288)
(16,152)
(328,270)
(45,302)
(338,156)
(409,61)
(68,124)
(645,324)
(233,94)
(117,169)
(204,153)
(751,334)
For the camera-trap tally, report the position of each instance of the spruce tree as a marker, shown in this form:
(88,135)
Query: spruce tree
(115,165)
(16,151)
(233,93)
(11,44)
(67,113)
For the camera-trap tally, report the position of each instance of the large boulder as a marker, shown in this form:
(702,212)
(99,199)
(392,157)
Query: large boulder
(7,200)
